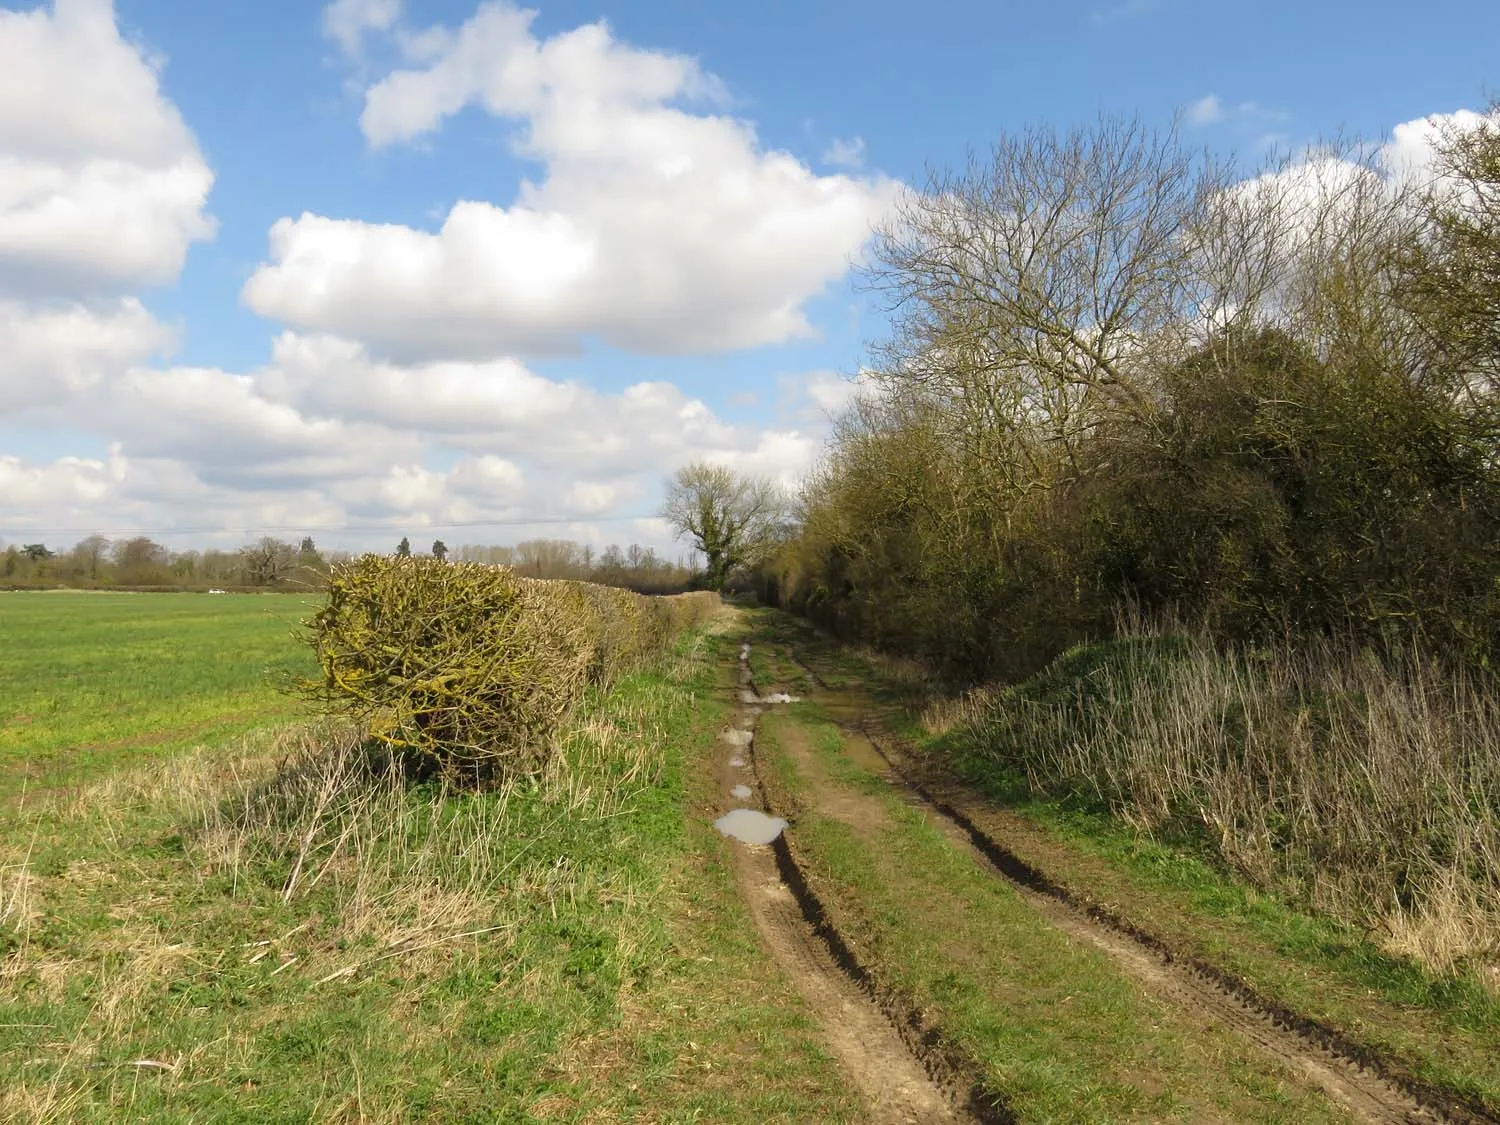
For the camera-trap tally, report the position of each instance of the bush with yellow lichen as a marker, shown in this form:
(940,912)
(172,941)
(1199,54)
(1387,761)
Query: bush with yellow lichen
(471,668)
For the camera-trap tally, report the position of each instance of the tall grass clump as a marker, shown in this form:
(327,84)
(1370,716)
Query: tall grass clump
(469,669)
(1367,787)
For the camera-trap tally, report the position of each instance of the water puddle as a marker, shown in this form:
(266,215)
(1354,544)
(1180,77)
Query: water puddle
(744,653)
(774,697)
(737,738)
(750,827)
(741,792)
(737,762)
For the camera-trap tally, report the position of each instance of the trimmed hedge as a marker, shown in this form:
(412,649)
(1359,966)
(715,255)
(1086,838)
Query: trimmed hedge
(473,667)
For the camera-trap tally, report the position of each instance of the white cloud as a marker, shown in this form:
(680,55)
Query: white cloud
(102,187)
(831,392)
(1205,111)
(60,486)
(845,153)
(1412,148)
(347,21)
(655,229)
(55,355)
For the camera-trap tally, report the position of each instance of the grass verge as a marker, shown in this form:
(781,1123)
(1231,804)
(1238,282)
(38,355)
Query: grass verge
(1053,1025)
(279,930)
(1443,1025)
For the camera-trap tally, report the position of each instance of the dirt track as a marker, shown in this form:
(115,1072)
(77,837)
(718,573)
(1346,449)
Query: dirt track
(1368,1089)
(887,1053)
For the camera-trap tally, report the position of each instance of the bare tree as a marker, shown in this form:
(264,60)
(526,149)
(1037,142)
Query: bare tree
(88,554)
(731,518)
(268,561)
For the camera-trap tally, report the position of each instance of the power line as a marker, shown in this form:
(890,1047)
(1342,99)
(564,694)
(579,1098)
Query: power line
(323,529)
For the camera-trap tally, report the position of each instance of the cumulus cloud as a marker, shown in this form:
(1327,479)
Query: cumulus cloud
(56,355)
(655,229)
(500,406)
(102,186)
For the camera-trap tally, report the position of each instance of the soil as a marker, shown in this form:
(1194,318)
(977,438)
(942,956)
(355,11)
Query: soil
(863,1035)
(1364,1091)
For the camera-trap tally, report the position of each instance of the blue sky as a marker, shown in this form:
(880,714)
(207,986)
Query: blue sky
(674,284)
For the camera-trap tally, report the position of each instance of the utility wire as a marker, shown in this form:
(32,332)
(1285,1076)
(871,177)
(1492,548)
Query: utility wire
(323,529)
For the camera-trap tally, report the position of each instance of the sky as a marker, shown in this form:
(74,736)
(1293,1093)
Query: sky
(469,270)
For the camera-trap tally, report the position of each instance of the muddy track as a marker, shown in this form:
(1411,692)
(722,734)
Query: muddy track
(906,1071)
(1371,1088)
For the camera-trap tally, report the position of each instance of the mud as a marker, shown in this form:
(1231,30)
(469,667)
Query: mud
(878,1045)
(1344,1073)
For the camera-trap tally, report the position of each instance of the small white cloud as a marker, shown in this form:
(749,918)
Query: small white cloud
(845,153)
(1205,111)
(346,22)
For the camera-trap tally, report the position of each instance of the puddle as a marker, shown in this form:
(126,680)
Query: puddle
(737,737)
(737,762)
(774,697)
(744,653)
(749,826)
(741,792)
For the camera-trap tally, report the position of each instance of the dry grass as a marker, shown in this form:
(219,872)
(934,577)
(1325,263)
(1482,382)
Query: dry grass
(1368,788)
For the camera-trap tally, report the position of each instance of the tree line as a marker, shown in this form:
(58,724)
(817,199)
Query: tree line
(1123,377)
(138,562)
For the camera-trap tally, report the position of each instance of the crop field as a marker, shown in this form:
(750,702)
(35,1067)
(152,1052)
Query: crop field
(90,681)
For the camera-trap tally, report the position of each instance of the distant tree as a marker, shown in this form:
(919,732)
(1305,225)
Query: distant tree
(309,557)
(403,548)
(439,550)
(733,519)
(268,561)
(548,558)
(140,561)
(88,554)
(36,552)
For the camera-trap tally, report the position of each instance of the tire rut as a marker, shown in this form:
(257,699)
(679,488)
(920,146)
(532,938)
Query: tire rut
(904,1069)
(1371,1088)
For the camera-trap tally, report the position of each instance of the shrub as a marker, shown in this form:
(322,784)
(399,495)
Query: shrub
(472,668)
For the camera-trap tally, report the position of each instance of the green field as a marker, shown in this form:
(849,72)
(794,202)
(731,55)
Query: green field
(90,681)
(223,916)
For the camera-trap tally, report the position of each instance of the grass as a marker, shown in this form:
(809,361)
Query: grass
(276,929)
(1174,881)
(1053,1025)
(90,681)
(1367,789)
